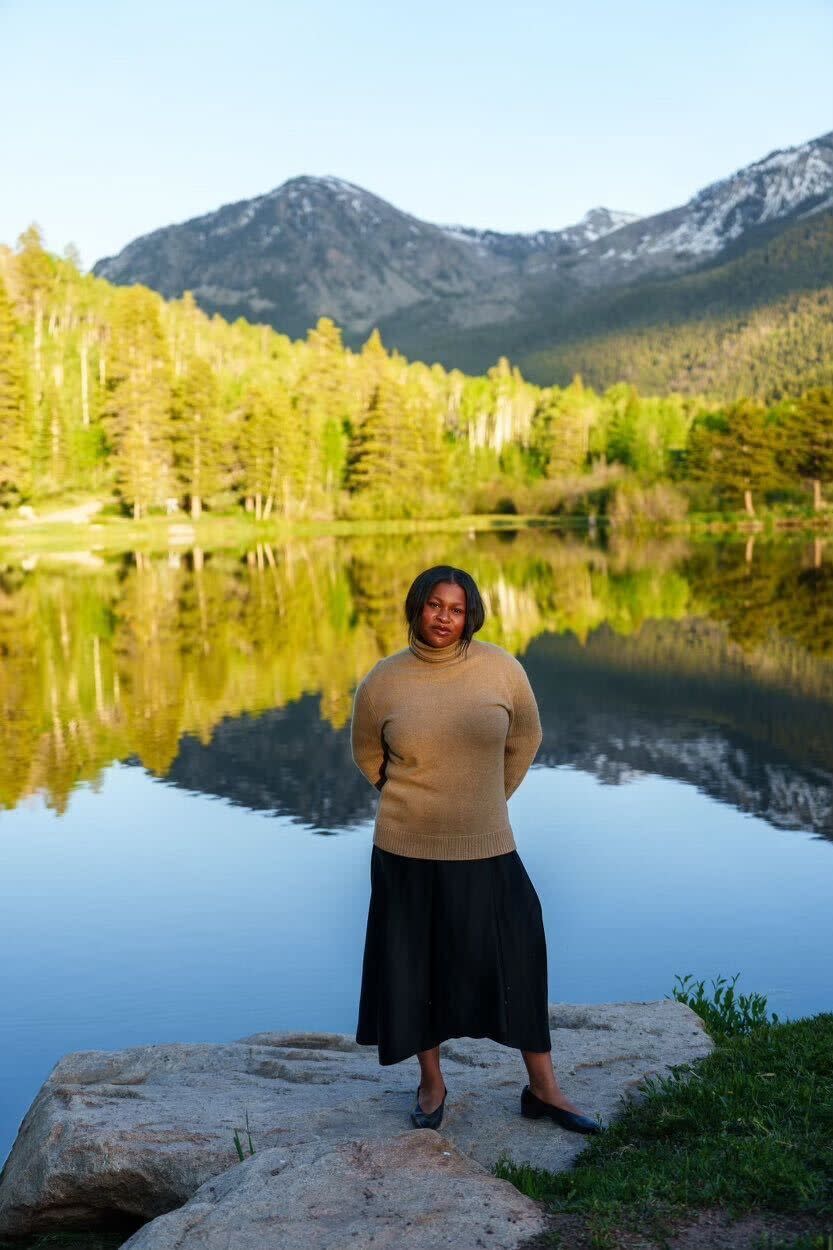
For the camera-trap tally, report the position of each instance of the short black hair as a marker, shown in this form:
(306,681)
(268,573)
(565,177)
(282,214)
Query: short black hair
(420,593)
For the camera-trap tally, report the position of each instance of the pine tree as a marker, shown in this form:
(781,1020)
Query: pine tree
(36,271)
(735,449)
(138,402)
(807,438)
(196,433)
(323,408)
(373,365)
(421,449)
(561,429)
(271,451)
(254,446)
(14,435)
(623,425)
(377,458)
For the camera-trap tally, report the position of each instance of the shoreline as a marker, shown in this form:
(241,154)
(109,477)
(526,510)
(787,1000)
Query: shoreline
(230,530)
(720,1151)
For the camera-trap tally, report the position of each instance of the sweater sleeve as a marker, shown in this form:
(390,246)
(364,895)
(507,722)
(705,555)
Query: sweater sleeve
(524,735)
(366,738)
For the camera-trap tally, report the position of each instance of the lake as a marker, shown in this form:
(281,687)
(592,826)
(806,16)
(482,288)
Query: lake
(185,841)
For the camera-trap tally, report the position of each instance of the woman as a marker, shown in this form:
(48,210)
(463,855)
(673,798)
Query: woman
(445,730)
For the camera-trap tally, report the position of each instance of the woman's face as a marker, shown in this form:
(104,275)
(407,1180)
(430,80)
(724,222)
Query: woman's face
(444,615)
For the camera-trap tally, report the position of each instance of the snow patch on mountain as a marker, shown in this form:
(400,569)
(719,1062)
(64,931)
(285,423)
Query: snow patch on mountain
(768,190)
(595,224)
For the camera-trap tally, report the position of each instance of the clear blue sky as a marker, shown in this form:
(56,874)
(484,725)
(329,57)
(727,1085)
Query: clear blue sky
(122,116)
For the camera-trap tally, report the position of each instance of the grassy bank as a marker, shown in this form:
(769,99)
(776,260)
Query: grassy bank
(733,1151)
(236,530)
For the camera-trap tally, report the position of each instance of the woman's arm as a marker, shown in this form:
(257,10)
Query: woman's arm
(366,739)
(525,734)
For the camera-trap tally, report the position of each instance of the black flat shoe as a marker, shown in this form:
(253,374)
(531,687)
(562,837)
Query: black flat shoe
(428,1119)
(534,1107)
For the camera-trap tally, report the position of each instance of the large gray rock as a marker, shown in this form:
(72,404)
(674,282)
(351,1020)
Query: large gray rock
(413,1191)
(136,1132)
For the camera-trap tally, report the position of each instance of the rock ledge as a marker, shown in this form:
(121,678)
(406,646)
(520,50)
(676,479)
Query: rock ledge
(138,1132)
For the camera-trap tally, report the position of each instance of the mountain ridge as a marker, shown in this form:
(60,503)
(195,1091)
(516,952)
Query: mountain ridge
(323,246)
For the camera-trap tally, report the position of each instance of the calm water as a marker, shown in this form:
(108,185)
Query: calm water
(185,842)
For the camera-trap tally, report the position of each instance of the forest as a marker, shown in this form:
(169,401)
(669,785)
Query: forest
(157,407)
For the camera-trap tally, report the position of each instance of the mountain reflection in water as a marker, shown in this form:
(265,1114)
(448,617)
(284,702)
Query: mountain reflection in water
(232,673)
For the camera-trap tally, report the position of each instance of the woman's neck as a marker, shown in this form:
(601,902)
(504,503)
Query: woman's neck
(436,655)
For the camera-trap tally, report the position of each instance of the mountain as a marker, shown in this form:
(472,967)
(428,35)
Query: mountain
(311,247)
(322,246)
(754,322)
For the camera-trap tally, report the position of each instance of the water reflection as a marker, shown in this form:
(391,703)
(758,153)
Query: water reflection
(232,672)
(686,696)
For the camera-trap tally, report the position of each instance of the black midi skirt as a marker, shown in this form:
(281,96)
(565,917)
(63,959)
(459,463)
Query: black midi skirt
(454,948)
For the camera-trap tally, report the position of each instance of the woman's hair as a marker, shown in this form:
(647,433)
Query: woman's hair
(420,593)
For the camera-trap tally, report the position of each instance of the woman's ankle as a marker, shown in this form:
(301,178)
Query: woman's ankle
(433,1082)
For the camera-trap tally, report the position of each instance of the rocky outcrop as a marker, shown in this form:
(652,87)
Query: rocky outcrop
(135,1133)
(413,1190)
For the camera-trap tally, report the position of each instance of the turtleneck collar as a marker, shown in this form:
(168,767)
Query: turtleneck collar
(436,655)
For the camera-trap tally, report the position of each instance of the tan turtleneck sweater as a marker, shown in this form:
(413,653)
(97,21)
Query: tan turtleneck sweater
(446,738)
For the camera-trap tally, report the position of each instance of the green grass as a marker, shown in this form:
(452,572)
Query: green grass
(748,1129)
(217,530)
(238,1144)
(725,1014)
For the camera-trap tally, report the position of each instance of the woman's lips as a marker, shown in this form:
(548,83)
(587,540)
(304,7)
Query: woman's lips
(440,629)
